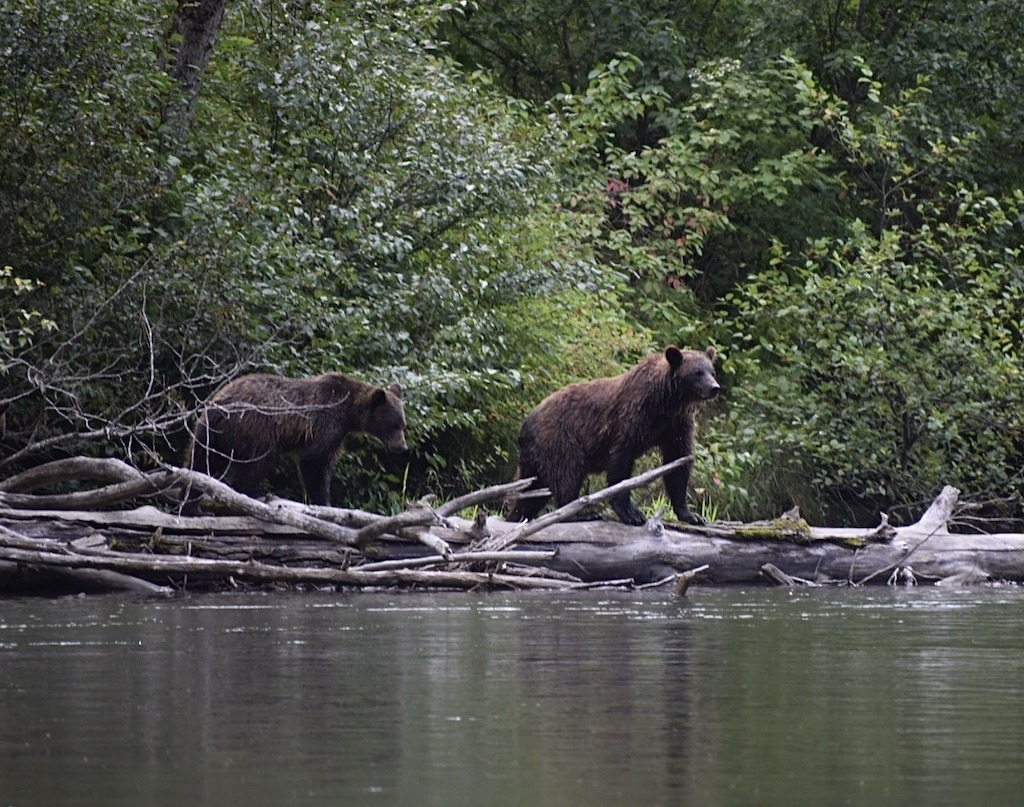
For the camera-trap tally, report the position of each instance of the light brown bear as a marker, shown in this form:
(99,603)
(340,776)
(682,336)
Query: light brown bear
(607,424)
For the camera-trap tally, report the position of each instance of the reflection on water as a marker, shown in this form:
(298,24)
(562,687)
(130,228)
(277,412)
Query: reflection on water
(739,696)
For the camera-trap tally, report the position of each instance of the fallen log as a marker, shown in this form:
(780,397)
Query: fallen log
(592,550)
(15,548)
(284,543)
(525,529)
(73,468)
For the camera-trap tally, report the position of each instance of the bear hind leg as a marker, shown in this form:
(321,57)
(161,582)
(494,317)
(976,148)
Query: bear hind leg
(528,508)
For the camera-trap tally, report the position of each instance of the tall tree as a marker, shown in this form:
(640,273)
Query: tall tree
(188,45)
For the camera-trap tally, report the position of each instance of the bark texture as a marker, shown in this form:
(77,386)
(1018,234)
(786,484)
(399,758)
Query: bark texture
(64,540)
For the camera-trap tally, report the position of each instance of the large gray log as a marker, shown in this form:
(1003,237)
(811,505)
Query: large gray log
(595,550)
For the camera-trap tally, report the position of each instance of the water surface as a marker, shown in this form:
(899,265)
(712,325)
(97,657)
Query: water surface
(730,696)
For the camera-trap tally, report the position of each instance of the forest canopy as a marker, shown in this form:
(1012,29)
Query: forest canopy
(486,201)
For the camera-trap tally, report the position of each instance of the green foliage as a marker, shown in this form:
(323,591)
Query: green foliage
(883,368)
(971,53)
(75,155)
(692,215)
(345,200)
(540,48)
(485,202)
(18,325)
(736,154)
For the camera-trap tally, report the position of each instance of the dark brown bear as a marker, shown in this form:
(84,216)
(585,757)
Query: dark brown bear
(606,424)
(253,420)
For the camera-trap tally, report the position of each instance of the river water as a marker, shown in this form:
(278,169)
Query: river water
(728,697)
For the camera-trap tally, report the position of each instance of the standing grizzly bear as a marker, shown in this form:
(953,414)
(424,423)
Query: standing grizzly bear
(606,424)
(253,420)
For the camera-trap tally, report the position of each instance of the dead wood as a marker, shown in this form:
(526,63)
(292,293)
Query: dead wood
(776,575)
(238,503)
(736,554)
(502,557)
(80,469)
(284,543)
(683,580)
(14,548)
(143,486)
(566,512)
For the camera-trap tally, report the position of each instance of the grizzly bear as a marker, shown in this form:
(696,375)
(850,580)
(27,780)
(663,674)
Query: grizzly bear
(253,420)
(607,424)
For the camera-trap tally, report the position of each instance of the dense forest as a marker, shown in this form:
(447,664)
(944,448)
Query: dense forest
(484,201)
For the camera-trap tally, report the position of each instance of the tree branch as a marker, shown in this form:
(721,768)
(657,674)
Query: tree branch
(567,511)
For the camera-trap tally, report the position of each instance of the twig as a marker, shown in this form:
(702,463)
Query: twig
(899,562)
(524,556)
(220,492)
(685,578)
(494,493)
(936,517)
(779,577)
(390,524)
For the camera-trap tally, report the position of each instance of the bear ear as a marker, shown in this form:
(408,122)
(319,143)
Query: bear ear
(379,397)
(396,390)
(674,356)
(710,353)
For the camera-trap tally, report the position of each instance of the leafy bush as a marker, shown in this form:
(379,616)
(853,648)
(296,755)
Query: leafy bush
(345,200)
(884,368)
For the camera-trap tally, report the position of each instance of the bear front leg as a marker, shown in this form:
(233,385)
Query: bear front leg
(627,511)
(676,484)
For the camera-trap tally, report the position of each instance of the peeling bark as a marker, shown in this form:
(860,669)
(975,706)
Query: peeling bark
(284,543)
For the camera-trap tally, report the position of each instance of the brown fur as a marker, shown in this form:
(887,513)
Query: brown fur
(607,424)
(251,421)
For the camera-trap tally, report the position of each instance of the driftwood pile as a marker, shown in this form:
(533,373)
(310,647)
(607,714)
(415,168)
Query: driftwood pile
(80,541)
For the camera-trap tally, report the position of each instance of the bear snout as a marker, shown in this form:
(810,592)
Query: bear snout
(712,392)
(397,445)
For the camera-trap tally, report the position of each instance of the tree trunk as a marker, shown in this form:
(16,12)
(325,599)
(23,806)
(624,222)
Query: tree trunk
(188,46)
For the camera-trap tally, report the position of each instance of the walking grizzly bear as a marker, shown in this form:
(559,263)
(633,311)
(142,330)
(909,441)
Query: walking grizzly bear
(251,421)
(607,424)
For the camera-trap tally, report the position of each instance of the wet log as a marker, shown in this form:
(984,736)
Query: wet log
(283,543)
(91,557)
(924,552)
(276,542)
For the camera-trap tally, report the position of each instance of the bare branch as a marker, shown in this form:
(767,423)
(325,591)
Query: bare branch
(240,503)
(567,511)
(76,468)
(16,548)
(494,493)
(148,485)
(525,556)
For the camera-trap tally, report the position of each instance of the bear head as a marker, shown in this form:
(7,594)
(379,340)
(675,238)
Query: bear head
(385,419)
(693,373)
